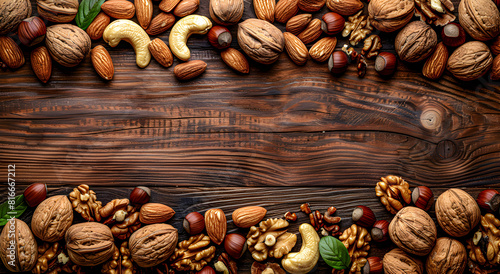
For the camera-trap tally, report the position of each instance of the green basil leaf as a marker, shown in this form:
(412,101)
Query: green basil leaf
(87,11)
(334,253)
(17,208)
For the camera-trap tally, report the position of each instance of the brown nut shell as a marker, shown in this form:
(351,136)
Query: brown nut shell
(260,40)
(52,218)
(152,213)
(18,247)
(415,42)
(397,261)
(89,243)
(58,11)
(13,12)
(390,15)
(448,256)
(457,212)
(68,44)
(344,7)
(226,12)
(470,61)
(153,244)
(479,18)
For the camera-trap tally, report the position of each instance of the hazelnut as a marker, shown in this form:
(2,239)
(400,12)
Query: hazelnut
(206,270)
(363,216)
(422,197)
(332,23)
(380,231)
(270,240)
(194,223)
(35,194)
(373,265)
(337,64)
(140,195)
(385,63)
(32,31)
(235,245)
(220,37)
(453,35)
(489,200)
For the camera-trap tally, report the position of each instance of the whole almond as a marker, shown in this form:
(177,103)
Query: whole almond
(495,69)
(161,23)
(264,9)
(97,27)
(144,12)
(10,53)
(311,5)
(161,52)
(168,5)
(119,9)
(322,49)
(41,63)
(286,9)
(436,64)
(101,60)
(236,60)
(216,225)
(248,216)
(298,23)
(311,32)
(295,49)
(186,7)
(153,213)
(189,70)
(348,7)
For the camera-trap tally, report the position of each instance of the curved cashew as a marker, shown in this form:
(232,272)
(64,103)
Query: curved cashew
(181,31)
(304,260)
(130,32)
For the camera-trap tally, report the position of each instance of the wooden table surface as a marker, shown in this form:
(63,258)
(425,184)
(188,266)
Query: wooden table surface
(278,137)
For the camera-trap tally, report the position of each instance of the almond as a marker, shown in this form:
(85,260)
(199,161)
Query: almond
(186,7)
(495,69)
(97,27)
(435,65)
(101,60)
(236,60)
(161,52)
(161,23)
(248,216)
(119,9)
(264,9)
(41,63)
(286,9)
(322,49)
(10,53)
(311,5)
(346,7)
(311,32)
(153,213)
(168,5)
(215,224)
(298,23)
(295,49)
(144,12)
(189,70)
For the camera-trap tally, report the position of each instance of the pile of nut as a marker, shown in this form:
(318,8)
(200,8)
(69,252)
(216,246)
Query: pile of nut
(258,37)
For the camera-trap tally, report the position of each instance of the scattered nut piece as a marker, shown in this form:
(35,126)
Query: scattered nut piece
(394,193)
(193,254)
(371,46)
(361,66)
(358,26)
(121,261)
(484,249)
(291,217)
(433,11)
(124,229)
(84,201)
(275,228)
(226,265)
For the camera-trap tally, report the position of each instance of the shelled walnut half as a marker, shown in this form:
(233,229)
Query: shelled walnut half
(484,247)
(270,239)
(437,12)
(123,217)
(84,201)
(357,26)
(357,241)
(121,262)
(193,254)
(394,193)
(51,259)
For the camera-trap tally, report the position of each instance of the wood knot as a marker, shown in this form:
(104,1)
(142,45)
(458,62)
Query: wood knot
(446,149)
(431,119)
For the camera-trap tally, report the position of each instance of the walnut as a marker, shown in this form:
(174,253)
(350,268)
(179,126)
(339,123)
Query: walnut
(270,239)
(89,244)
(437,12)
(51,259)
(272,268)
(153,244)
(193,254)
(67,44)
(84,201)
(13,12)
(260,40)
(448,256)
(484,247)
(123,217)
(121,262)
(59,11)
(470,61)
(415,42)
(358,26)
(394,193)
(17,246)
(131,223)
(390,15)
(457,212)
(357,241)
(479,18)
(52,218)
(397,261)
(371,46)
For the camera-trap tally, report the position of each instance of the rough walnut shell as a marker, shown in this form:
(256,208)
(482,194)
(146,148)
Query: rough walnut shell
(448,256)
(89,243)
(25,247)
(52,218)
(479,18)
(153,244)
(390,15)
(457,212)
(12,13)
(59,11)
(470,61)
(413,230)
(67,44)
(260,40)
(397,261)
(415,42)
(226,12)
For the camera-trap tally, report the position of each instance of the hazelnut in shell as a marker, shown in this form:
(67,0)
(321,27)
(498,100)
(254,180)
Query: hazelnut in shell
(453,35)
(235,245)
(140,195)
(194,223)
(448,256)
(220,37)
(422,197)
(31,31)
(373,265)
(332,23)
(34,194)
(386,63)
(380,231)
(489,200)
(206,270)
(338,62)
(363,216)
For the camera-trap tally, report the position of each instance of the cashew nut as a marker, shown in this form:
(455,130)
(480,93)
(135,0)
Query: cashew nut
(130,32)
(181,31)
(304,260)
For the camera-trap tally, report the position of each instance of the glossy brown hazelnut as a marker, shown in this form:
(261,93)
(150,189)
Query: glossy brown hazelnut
(332,23)
(338,62)
(422,197)
(453,35)
(220,37)
(140,195)
(386,63)
(206,270)
(34,194)
(363,216)
(194,223)
(235,245)
(32,31)
(380,231)
(489,200)
(373,265)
